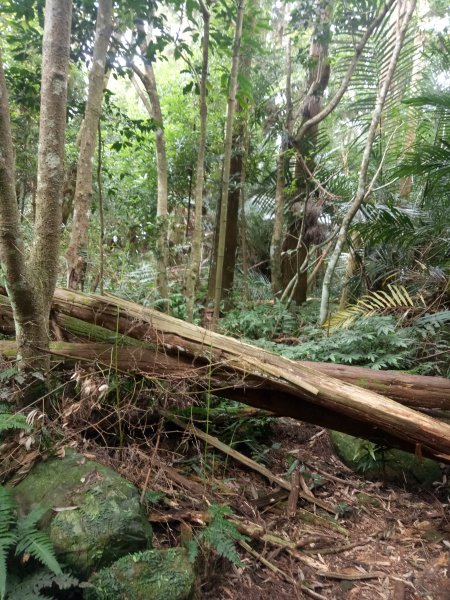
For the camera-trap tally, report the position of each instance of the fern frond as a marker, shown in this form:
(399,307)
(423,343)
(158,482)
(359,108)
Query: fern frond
(31,587)
(11,421)
(35,542)
(7,508)
(382,302)
(30,520)
(7,535)
(221,534)
(432,322)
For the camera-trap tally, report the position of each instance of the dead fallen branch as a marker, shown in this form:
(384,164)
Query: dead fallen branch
(245,460)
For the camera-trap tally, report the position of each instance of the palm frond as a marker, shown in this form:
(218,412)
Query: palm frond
(392,300)
(386,224)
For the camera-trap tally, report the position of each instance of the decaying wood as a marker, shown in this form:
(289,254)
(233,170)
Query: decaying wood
(410,390)
(293,495)
(254,376)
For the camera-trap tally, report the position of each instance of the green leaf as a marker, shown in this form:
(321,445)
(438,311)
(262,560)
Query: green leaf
(35,542)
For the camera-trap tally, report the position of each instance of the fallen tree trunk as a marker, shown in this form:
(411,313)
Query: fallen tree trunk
(416,391)
(410,390)
(256,391)
(292,389)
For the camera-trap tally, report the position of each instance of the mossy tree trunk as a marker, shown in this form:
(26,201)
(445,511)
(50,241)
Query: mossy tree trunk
(31,282)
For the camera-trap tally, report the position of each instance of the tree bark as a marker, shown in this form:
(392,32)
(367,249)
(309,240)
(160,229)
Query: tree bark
(31,283)
(333,103)
(77,251)
(30,324)
(227,159)
(294,264)
(234,194)
(277,234)
(55,61)
(196,251)
(238,164)
(148,80)
(405,13)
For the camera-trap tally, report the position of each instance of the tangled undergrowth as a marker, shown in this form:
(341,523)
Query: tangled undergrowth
(339,537)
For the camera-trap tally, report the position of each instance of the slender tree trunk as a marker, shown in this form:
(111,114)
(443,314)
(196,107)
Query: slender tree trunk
(31,284)
(350,270)
(27,305)
(406,11)
(238,164)
(234,193)
(277,234)
(100,208)
(227,158)
(148,80)
(196,252)
(77,251)
(242,219)
(416,78)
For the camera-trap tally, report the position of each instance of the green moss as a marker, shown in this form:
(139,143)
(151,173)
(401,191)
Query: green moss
(95,515)
(150,575)
(389,464)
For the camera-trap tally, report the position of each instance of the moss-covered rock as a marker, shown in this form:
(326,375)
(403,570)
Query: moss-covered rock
(150,575)
(95,516)
(391,465)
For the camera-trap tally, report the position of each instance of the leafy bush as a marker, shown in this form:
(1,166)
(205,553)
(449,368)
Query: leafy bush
(374,342)
(260,321)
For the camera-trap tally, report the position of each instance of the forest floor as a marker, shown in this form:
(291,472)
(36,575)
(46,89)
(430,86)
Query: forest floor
(385,541)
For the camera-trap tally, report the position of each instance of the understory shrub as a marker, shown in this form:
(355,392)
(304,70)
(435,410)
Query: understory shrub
(374,342)
(265,320)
